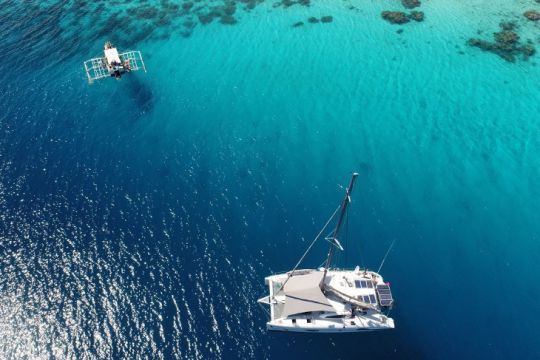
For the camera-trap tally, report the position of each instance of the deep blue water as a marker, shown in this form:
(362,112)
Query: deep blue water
(139,217)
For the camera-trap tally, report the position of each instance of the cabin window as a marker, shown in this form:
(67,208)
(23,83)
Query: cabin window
(370,284)
(372,299)
(357,283)
(309,321)
(363,283)
(335,316)
(366,299)
(294,321)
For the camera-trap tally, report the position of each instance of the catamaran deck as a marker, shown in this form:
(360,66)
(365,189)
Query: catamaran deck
(301,305)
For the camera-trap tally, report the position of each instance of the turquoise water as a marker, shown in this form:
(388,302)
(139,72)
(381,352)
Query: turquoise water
(140,217)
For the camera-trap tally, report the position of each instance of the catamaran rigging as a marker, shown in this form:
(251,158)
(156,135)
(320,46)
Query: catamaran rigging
(334,240)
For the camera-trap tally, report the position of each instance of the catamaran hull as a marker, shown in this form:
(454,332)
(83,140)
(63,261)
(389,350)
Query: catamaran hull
(325,325)
(322,330)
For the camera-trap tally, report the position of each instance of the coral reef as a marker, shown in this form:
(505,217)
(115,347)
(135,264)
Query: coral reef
(395,17)
(400,17)
(532,15)
(327,19)
(289,3)
(507,44)
(410,4)
(416,15)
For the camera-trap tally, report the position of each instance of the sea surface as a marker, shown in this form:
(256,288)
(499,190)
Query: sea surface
(138,218)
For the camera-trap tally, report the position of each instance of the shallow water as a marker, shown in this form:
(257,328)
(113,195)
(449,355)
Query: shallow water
(139,217)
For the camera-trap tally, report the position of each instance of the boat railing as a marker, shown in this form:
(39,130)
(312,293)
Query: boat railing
(134,59)
(96,69)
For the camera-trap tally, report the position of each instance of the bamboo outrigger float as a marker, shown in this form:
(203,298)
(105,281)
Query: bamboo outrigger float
(113,64)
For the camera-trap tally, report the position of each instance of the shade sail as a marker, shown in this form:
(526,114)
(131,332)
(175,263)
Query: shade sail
(303,294)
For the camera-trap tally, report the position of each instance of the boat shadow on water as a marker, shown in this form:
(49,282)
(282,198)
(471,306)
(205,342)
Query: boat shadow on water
(140,93)
(399,344)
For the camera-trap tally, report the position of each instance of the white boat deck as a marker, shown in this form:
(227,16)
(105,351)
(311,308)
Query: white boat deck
(352,304)
(112,56)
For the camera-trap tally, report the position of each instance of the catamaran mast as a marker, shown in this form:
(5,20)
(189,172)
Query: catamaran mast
(334,238)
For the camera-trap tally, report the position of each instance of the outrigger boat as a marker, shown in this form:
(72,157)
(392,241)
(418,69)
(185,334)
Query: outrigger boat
(329,300)
(113,64)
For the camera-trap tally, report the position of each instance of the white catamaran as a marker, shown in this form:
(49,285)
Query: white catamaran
(329,300)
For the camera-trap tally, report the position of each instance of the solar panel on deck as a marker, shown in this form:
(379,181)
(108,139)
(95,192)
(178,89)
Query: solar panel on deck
(385,295)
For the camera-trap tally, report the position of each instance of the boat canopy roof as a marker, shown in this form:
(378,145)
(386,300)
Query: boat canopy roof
(303,294)
(112,55)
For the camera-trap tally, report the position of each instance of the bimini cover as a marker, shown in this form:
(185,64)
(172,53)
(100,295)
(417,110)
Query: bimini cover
(303,294)
(112,56)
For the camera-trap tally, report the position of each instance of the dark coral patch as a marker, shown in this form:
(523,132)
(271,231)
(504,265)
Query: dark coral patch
(228,19)
(327,19)
(507,25)
(187,6)
(289,3)
(189,24)
(528,50)
(145,12)
(506,45)
(532,15)
(416,15)
(229,8)
(506,38)
(313,20)
(410,4)
(395,17)
(205,19)
(250,4)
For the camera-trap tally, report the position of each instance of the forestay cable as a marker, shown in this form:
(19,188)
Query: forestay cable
(309,248)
